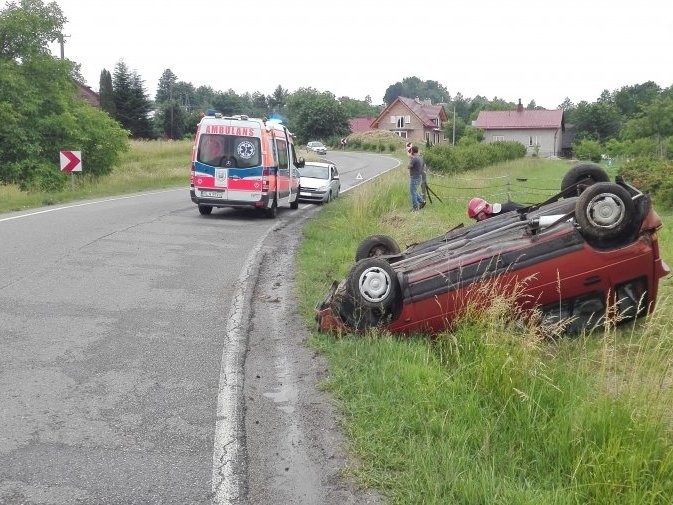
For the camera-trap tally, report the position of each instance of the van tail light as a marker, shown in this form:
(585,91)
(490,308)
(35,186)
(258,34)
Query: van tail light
(265,179)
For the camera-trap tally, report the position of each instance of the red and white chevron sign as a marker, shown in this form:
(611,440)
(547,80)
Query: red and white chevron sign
(71,161)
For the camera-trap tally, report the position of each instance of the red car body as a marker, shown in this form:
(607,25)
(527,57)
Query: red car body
(571,260)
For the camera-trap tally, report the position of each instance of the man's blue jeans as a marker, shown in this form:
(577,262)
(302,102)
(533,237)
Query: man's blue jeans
(416,198)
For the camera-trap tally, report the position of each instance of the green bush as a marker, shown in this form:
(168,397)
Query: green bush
(588,150)
(470,155)
(651,176)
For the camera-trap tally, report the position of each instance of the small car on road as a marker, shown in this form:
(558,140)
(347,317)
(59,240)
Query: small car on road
(319,182)
(590,251)
(317,147)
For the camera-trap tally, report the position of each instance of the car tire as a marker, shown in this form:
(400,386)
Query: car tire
(606,213)
(376,245)
(375,291)
(205,210)
(580,176)
(295,205)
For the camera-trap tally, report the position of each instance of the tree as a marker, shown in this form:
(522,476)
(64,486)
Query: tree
(131,102)
(358,108)
(171,120)
(229,103)
(27,29)
(598,121)
(412,87)
(629,100)
(316,115)
(40,113)
(106,93)
(655,121)
(165,87)
(278,100)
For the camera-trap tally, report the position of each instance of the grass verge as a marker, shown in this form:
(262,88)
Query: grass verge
(488,413)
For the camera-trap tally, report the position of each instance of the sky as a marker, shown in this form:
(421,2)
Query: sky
(511,49)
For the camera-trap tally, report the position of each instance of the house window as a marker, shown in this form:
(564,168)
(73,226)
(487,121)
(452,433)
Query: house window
(427,137)
(532,140)
(400,122)
(402,134)
(498,138)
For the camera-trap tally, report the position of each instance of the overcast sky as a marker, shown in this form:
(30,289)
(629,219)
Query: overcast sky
(528,49)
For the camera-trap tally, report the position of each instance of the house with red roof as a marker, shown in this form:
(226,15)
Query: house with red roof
(541,131)
(412,119)
(360,124)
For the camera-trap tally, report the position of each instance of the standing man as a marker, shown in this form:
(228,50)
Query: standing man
(416,165)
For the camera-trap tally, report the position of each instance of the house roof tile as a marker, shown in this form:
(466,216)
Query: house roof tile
(425,111)
(360,124)
(513,119)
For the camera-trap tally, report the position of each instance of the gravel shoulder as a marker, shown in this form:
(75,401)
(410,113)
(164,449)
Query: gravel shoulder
(296,452)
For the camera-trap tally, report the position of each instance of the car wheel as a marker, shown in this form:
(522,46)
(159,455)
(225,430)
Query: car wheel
(605,212)
(295,205)
(329,197)
(205,210)
(374,290)
(376,245)
(580,176)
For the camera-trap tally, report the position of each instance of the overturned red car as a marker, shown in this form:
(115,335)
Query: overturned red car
(589,251)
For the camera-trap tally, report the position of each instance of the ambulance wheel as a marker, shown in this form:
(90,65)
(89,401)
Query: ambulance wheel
(205,210)
(295,205)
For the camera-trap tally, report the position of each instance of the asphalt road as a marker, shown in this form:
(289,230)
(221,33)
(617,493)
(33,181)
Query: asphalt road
(149,354)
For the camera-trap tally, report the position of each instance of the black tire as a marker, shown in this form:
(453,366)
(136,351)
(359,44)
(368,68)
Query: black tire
(580,176)
(272,212)
(605,212)
(376,245)
(205,210)
(295,205)
(374,293)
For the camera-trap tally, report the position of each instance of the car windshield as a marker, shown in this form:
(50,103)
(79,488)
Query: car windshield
(315,171)
(229,151)
(316,144)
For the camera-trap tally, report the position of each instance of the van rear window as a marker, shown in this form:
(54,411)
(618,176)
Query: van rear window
(229,151)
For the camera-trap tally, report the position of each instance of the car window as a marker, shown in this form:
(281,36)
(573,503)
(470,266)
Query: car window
(315,171)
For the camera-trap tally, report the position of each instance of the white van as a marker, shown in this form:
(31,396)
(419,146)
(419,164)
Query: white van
(244,162)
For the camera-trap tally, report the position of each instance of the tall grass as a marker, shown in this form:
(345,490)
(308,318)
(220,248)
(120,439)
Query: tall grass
(491,412)
(146,165)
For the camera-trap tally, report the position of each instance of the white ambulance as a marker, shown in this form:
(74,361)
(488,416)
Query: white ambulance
(244,162)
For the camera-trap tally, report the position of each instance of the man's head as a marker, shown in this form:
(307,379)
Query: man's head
(480,209)
(414,150)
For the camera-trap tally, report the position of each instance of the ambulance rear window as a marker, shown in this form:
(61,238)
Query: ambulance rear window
(229,151)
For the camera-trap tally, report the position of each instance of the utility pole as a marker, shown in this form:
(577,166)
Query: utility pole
(170,98)
(453,142)
(61,42)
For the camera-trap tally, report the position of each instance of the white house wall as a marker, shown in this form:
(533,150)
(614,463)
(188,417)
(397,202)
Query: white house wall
(548,140)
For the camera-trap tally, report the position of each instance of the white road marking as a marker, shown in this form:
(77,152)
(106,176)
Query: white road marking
(65,207)
(229,466)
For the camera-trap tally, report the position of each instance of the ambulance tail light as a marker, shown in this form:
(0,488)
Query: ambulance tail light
(265,179)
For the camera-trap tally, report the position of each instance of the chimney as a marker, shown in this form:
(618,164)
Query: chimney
(519,108)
